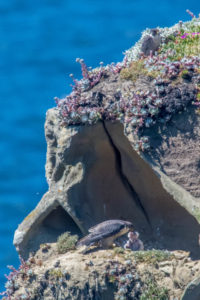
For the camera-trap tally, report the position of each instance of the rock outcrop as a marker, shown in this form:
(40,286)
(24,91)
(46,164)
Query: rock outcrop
(105,275)
(97,169)
(94,175)
(192,291)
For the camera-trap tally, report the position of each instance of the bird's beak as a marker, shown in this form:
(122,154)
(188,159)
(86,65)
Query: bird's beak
(130,228)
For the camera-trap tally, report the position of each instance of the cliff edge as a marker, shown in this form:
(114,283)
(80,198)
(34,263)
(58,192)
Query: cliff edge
(125,145)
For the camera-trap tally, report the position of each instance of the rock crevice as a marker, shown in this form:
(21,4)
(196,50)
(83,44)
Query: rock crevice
(122,175)
(94,175)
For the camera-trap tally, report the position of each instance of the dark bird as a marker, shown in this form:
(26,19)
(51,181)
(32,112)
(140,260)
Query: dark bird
(105,233)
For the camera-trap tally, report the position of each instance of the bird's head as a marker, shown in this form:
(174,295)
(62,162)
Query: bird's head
(129,226)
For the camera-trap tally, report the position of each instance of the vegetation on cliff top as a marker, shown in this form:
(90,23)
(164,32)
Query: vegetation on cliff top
(128,275)
(174,64)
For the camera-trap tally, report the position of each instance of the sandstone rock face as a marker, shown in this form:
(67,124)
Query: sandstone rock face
(99,275)
(192,291)
(177,150)
(94,175)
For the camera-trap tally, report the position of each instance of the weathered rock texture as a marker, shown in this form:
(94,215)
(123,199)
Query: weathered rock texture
(94,175)
(94,276)
(192,291)
(176,150)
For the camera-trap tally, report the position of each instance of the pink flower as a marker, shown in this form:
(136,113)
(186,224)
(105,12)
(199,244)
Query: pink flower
(184,36)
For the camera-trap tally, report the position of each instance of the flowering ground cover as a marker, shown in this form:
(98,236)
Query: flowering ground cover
(174,65)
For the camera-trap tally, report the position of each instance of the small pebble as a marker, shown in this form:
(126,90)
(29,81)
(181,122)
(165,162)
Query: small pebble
(57,264)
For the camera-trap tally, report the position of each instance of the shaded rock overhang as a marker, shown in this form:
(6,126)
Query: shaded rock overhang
(94,175)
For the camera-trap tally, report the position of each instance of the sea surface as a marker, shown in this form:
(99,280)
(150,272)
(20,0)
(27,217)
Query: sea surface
(39,42)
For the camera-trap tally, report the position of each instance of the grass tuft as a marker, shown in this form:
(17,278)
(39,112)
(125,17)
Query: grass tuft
(66,242)
(152,256)
(56,273)
(136,69)
(118,250)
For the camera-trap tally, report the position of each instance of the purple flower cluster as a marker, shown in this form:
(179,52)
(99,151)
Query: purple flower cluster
(170,69)
(190,13)
(11,284)
(116,68)
(76,108)
(190,34)
(139,109)
(90,77)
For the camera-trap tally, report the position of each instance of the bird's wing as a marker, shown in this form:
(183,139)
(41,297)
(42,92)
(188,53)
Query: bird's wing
(92,239)
(101,231)
(85,241)
(106,229)
(106,224)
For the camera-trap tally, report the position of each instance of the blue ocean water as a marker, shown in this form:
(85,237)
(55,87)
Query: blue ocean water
(39,42)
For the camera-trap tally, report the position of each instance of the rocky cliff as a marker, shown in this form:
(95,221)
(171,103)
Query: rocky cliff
(106,275)
(125,145)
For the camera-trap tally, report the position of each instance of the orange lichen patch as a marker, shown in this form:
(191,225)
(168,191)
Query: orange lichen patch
(31,215)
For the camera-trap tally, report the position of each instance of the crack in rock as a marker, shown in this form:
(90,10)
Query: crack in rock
(123,177)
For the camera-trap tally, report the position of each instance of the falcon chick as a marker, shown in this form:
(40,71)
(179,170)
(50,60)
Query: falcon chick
(105,233)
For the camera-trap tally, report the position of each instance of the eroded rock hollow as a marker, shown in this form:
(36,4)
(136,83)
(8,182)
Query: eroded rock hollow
(94,175)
